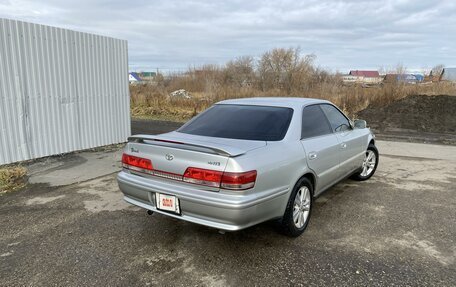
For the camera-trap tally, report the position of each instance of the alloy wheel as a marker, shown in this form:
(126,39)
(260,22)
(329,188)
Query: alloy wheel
(369,163)
(301,207)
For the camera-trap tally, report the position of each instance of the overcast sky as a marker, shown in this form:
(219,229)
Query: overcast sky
(173,35)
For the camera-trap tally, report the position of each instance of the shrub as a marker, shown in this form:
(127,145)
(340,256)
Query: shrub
(12,178)
(279,73)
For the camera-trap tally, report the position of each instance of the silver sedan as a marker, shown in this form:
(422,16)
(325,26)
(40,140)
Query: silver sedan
(245,161)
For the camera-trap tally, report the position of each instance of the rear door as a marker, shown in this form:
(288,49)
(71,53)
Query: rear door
(321,147)
(351,140)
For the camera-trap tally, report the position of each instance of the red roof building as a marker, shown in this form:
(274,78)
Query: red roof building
(365,74)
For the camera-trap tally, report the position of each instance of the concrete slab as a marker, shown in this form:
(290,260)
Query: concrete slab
(74,168)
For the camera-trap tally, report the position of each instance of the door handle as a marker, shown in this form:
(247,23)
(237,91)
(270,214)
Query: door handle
(343,145)
(312,155)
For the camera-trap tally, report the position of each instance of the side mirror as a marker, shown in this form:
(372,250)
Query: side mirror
(360,124)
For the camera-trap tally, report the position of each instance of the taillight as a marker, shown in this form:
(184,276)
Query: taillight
(213,178)
(238,180)
(226,180)
(136,163)
(203,176)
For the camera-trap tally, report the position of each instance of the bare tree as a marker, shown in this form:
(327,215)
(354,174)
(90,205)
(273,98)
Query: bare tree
(240,72)
(437,70)
(284,69)
(400,69)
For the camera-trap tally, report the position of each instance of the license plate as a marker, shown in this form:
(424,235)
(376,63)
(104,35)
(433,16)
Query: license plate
(167,202)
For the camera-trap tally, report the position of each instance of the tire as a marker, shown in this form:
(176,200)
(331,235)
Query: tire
(369,166)
(292,225)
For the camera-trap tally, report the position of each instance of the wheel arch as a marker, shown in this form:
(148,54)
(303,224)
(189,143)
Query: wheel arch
(287,221)
(312,178)
(370,139)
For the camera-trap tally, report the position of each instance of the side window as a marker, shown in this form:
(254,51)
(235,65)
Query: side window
(337,120)
(314,122)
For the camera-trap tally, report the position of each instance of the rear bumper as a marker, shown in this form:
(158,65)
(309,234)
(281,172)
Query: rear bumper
(214,209)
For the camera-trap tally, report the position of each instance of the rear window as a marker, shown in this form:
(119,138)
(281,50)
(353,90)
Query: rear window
(243,122)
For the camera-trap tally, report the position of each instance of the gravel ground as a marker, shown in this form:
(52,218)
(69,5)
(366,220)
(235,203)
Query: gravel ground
(395,229)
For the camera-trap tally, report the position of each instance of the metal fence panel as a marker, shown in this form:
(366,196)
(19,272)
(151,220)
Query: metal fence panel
(60,91)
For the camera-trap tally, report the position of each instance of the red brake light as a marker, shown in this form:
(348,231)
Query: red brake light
(130,161)
(226,180)
(239,180)
(213,178)
(203,176)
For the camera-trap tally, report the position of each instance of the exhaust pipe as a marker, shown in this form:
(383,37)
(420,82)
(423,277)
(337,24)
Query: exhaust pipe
(150,212)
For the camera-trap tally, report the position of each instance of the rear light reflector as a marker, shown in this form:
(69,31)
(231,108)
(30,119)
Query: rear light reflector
(239,180)
(136,163)
(203,176)
(226,180)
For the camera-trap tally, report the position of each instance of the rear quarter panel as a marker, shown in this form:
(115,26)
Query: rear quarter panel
(279,165)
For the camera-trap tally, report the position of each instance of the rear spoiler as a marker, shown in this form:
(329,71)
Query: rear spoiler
(169,141)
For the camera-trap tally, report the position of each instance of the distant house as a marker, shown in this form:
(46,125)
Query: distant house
(147,74)
(365,74)
(419,77)
(407,79)
(403,78)
(390,79)
(347,79)
(133,77)
(363,77)
(448,74)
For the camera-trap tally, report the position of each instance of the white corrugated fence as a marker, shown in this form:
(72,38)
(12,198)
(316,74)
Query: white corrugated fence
(60,91)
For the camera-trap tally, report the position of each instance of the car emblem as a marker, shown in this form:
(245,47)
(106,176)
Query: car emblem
(169,156)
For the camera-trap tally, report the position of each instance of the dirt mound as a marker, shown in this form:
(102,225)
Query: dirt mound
(428,116)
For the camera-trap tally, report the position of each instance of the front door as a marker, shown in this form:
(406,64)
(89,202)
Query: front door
(351,142)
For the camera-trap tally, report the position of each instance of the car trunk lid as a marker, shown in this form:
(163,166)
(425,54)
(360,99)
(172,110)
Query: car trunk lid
(172,153)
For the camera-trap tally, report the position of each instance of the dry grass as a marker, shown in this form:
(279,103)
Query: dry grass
(147,102)
(279,73)
(12,178)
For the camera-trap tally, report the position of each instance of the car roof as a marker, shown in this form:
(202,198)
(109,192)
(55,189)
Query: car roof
(273,101)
